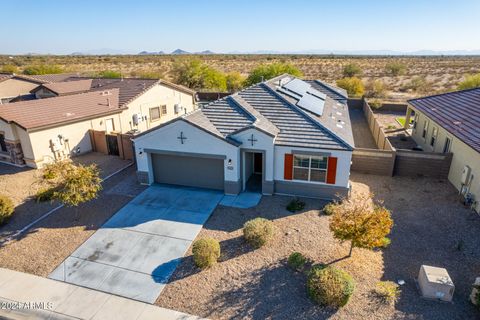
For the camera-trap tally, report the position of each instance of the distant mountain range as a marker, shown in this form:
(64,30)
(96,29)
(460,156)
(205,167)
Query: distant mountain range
(107,51)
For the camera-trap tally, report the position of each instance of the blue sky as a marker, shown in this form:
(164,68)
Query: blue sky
(62,27)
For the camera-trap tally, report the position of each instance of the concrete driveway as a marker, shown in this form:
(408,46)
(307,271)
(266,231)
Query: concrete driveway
(135,252)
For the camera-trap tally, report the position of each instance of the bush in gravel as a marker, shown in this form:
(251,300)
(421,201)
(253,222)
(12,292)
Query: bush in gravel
(329,286)
(329,209)
(258,232)
(387,291)
(295,205)
(297,261)
(353,85)
(206,252)
(6,208)
(45,194)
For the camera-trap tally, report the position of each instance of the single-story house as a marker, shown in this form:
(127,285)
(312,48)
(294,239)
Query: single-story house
(18,86)
(449,122)
(283,136)
(58,121)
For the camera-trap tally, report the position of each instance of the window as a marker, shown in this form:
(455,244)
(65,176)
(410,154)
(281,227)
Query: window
(3,145)
(310,168)
(164,109)
(154,113)
(446,146)
(425,129)
(433,139)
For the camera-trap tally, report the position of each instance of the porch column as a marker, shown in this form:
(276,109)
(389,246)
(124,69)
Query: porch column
(407,118)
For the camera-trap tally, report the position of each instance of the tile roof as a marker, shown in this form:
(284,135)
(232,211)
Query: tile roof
(61,110)
(263,107)
(333,92)
(457,112)
(129,89)
(49,78)
(67,87)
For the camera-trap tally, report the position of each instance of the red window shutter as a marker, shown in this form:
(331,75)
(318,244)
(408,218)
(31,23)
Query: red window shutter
(288,167)
(332,170)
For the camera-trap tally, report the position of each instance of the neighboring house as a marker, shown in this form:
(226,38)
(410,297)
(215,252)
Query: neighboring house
(58,122)
(450,122)
(18,87)
(284,136)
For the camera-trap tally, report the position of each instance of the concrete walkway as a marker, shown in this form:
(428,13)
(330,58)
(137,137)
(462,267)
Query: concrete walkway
(50,299)
(135,252)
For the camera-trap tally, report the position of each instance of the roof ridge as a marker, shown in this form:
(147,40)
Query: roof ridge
(308,116)
(444,94)
(329,87)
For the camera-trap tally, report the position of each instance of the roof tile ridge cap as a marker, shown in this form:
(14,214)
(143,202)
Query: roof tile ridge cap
(308,116)
(329,87)
(239,101)
(444,94)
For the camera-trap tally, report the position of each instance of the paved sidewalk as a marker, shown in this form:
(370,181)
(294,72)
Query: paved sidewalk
(135,252)
(66,301)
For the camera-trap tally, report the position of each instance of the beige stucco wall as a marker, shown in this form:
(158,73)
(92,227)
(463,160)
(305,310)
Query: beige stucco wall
(76,133)
(8,130)
(15,87)
(462,154)
(156,96)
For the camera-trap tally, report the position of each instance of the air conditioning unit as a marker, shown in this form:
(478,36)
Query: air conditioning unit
(467,171)
(178,108)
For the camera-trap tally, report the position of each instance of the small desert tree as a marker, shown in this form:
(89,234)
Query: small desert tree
(353,85)
(351,70)
(362,222)
(268,71)
(235,81)
(72,184)
(395,68)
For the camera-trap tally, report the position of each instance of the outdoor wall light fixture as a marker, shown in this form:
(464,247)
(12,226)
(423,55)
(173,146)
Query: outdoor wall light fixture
(229,162)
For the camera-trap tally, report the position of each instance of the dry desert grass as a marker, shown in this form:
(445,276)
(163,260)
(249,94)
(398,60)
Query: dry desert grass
(440,73)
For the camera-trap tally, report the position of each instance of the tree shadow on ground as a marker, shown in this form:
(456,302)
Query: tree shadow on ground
(273,293)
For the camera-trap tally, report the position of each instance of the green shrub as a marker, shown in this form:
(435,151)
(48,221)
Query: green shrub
(351,70)
(206,252)
(329,209)
(417,84)
(388,291)
(6,208)
(297,261)
(258,232)
(110,74)
(295,205)
(329,286)
(353,85)
(268,71)
(42,69)
(45,194)
(375,89)
(396,68)
(470,82)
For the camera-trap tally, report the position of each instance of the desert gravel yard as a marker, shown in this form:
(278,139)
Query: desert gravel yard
(431,227)
(48,243)
(22,184)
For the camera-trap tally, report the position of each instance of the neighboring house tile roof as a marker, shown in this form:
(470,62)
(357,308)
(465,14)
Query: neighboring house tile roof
(262,106)
(67,87)
(129,89)
(61,110)
(457,112)
(49,78)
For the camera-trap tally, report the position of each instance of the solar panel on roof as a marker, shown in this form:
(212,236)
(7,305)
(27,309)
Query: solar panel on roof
(311,103)
(290,93)
(298,86)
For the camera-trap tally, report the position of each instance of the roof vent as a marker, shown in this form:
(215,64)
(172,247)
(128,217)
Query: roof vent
(106,93)
(69,114)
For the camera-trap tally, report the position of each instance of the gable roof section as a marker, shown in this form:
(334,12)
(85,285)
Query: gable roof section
(67,87)
(457,112)
(61,110)
(129,89)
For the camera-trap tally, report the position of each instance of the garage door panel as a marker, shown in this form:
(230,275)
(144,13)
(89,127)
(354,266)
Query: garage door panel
(188,171)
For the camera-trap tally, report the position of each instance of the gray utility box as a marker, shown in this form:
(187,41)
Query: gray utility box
(435,283)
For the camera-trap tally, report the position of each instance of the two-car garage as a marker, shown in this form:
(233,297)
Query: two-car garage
(202,171)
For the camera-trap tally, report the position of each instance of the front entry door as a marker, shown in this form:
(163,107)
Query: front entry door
(257,163)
